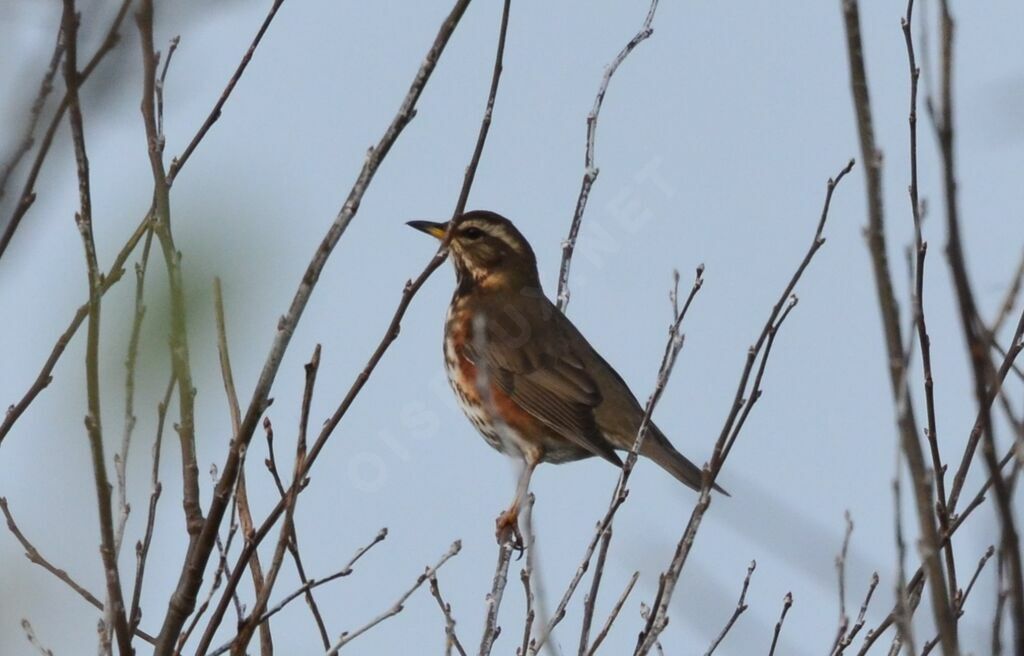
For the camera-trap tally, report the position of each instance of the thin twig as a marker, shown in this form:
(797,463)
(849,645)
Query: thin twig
(847,639)
(178,162)
(142,547)
(178,338)
(525,575)
(396,608)
(451,639)
(787,603)
(741,606)
(1010,299)
(590,599)
(115,618)
(121,457)
(962,596)
(924,340)
(30,634)
(309,585)
(28,139)
(293,540)
(616,609)
(241,493)
(844,619)
(37,558)
(590,170)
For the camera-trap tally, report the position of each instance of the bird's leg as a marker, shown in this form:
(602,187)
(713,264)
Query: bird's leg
(507,524)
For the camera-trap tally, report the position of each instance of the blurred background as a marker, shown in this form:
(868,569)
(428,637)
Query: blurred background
(716,140)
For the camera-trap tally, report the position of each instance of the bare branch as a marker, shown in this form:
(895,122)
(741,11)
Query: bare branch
(30,633)
(924,341)
(142,548)
(844,619)
(493,600)
(741,606)
(37,558)
(241,493)
(787,603)
(590,599)
(114,612)
(28,139)
(293,540)
(962,596)
(121,457)
(616,609)
(309,584)
(178,162)
(348,636)
(178,338)
(591,171)
(451,640)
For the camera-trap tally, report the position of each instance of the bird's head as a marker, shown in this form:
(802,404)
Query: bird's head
(487,250)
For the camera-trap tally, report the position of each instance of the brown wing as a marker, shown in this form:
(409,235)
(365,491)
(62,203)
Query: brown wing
(532,362)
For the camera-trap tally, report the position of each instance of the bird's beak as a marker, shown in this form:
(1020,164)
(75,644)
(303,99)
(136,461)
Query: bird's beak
(433,229)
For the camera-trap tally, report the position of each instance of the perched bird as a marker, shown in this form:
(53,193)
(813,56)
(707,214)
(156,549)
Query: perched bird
(523,374)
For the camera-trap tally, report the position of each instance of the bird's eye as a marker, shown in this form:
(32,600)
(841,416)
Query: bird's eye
(472,233)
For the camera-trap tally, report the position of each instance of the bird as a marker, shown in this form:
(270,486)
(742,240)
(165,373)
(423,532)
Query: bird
(523,374)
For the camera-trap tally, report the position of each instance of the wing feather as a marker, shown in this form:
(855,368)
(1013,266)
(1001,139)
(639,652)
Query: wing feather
(546,379)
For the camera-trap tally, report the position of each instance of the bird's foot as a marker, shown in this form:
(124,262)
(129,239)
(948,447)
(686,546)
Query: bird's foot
(507,530)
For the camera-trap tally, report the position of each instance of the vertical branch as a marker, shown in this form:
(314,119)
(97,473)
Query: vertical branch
(114,611)
(844,619)
(498,583)
(180,361)
(975,334)
(142,547)
(590,599)
(787,603)
(451,640)
(920,477)
(590,170)
(525,576)
(121,457)
(924,341)
(241,494)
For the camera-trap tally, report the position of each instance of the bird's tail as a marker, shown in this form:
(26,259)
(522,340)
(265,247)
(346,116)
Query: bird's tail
(657,447)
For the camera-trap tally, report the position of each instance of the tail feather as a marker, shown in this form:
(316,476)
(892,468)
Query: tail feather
(657,447)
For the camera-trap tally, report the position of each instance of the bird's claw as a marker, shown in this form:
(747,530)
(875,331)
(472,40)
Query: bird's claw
(507,530)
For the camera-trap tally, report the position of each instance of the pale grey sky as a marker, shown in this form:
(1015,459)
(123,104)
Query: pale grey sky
(715,142)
